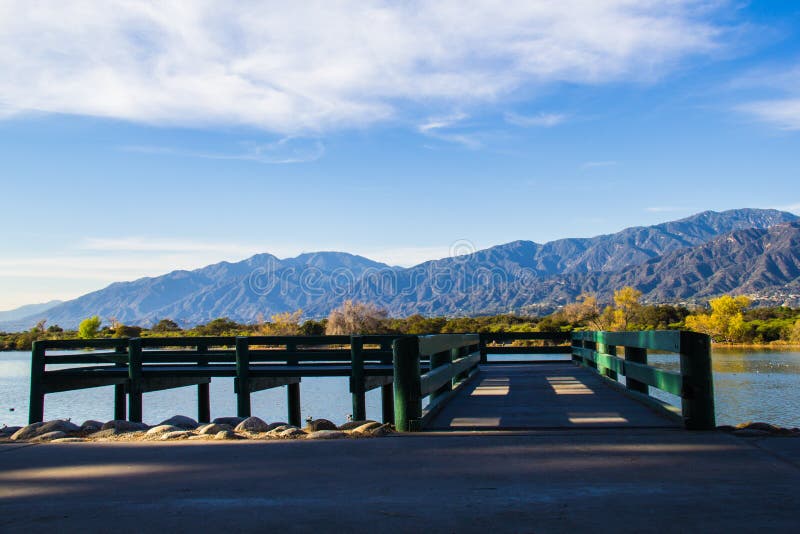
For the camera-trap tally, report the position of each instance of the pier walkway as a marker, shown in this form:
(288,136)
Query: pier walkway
(543,396)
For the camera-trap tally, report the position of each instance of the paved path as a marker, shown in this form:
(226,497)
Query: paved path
(578,481)
(543,396)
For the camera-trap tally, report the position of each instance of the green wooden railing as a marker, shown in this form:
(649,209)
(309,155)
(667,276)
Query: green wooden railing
(140,365)
(693,384)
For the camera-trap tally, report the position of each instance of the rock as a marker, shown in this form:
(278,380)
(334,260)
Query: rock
(750,433)
(8,431)
(366,428)
(179,434)
(232,421)
(383,430)
(227,434)
(291,432)
(273,426)
(121,425)
(162,429)
(327,434)
(352,425)
(69,440)
(252,424)
(107,433)
(48,436)
(766,427)
(181,421)
(278,429)
(201,437)
(38,429)
(213,428)
(320,424)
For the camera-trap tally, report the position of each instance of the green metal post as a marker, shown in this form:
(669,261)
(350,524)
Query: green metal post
(698,382)
(387,403)
(242,382)
(407,398)
(636,355)
(36,407)
(203,390)
(357,378)
(135,380)
(293,392)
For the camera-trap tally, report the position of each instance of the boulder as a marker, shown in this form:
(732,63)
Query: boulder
(327,434)
(252,424)
(232,421)
(291,433)
(121,425)
(38,429)
(48,436)
(212,428)
(69,440)
(366,428)
(107,433)
(352,425)
(750,433)
(383,430)
(91,426)
(179,434)
(181,421)
(320,424)
(278,429)
(273,426)
(162,429)
(7,431)
(227,434)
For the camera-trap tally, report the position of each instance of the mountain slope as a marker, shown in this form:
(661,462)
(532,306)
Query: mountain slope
(676,260)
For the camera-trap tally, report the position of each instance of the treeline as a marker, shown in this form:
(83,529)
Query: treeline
(727,319)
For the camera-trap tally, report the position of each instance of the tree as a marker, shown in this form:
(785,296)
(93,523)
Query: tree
(794,337)
(127,331)
(89,328)
(627,306)
(583,311)
(166,325)
(726,320)
(356,318)
(283,324)
(219,327)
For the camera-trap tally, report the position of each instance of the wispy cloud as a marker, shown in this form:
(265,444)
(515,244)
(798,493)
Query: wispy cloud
(150,244)
(283,151)
(598,164)
(545,120)
(308,68)
(665,209)
(794,208)
(781,113)
(442,128)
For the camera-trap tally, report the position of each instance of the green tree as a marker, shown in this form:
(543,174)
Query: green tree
(89,328)
(166,325)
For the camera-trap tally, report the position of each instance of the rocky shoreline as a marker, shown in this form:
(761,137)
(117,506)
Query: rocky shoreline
(180,428)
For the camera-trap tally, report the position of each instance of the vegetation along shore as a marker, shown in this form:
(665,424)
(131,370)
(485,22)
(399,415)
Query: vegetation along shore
(729,320)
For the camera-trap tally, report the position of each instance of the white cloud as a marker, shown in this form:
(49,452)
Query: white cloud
(546,120)
(309,67)
(441,128)
(286,150)
(782,113)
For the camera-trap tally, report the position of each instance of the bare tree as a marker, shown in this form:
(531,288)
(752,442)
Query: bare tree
(356,318)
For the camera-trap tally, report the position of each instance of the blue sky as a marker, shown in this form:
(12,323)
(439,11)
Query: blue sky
(152,136)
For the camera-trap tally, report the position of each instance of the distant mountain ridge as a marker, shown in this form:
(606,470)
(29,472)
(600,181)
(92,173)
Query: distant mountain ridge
(744,251)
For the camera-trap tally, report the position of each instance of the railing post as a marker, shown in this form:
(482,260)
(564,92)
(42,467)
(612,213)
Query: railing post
(698,382)
(387,403)
(357,378)
(636,355)
(36,406)
(120,396)
(203,390)
(611,350)
(438,360)
(407,398)
(293,391)
(242,382)
(482,347)
(135,380)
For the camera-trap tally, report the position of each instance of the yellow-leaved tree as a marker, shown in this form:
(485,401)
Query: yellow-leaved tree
(283,324)
(726,320)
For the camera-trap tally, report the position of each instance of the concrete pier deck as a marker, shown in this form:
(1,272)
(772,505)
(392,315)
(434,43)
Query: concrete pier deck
(602,480)
(543,396)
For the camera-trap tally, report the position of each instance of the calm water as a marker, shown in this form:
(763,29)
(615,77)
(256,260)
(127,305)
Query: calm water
(749,386)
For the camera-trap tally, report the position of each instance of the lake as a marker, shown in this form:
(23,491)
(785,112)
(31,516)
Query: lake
(750,385)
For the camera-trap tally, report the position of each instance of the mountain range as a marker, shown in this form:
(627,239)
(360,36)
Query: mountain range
(745,251)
